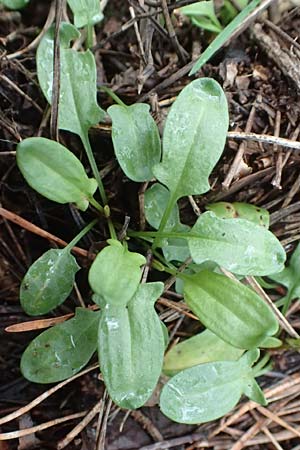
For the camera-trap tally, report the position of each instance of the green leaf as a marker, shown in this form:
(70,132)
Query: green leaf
(48,282)
(15,4)
(290,275)
(194,138)
(202,348)
(203,15)
(61,351)
(222,38)
(207,391)
(136,140)
(131,347)
(78,108)
(236,244)
(54,172)
(115,273)
(254,392)
(229,309)
(86,12)
(156,201)
(253,213)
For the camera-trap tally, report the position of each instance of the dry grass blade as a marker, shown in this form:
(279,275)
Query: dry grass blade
(14,415)
(41,427)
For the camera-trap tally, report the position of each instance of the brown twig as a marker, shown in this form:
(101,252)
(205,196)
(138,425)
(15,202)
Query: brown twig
(39,231)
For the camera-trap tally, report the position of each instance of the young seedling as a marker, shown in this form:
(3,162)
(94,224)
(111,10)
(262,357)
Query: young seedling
(127,331)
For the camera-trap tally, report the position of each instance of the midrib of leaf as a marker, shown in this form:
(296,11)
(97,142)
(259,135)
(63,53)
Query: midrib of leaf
(174,195)
(232,311)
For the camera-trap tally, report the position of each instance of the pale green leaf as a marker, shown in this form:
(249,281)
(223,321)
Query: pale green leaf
(207,391)
(15,4)
(54,172)
(48,282)
(255,214)
(229,309)
(86,12)
(115,273)
(194,138)
(78,108)
(236,244)
(61,351)
(203,15)
(136,140)
(202,348)
(156,200)
(131,347)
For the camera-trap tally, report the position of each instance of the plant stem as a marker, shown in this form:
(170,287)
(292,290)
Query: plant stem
(260,367)
(114,96)
(287,303)
(90,155)
(96,205)
(89,35)
(91,158)
(80,235)
(164,220)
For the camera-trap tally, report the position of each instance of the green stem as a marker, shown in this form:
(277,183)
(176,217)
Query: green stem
(113,96)
(287,303)
(164,220)
(89,35)
(90,155)
(96,205)
(260,367)
(80,235)
(92,161)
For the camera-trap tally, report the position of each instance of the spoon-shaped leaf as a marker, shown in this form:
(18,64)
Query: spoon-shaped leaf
(229,309)
(202,348)
(86,12)
(290,276)
(194,138)
(236,244)
(136,140)
(115,274)
(53,171)
(207,391)
(61,351)
(48,282)
(156,201)
(78,108)
(131,347)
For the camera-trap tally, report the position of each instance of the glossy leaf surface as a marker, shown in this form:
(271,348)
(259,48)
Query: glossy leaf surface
(78,108)
(115,273)
(53,171)
(203,348)
(86,12)
(156,201)
(136,140)
(61,351)
(48,282)
(255,214)
(194,138)
(236,244)
(131,347)
(229,309)
(207,391)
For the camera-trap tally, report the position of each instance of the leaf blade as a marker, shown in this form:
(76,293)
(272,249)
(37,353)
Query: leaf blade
(61,351)
(53,171)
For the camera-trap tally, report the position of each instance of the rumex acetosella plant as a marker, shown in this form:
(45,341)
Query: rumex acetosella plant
(208,373)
